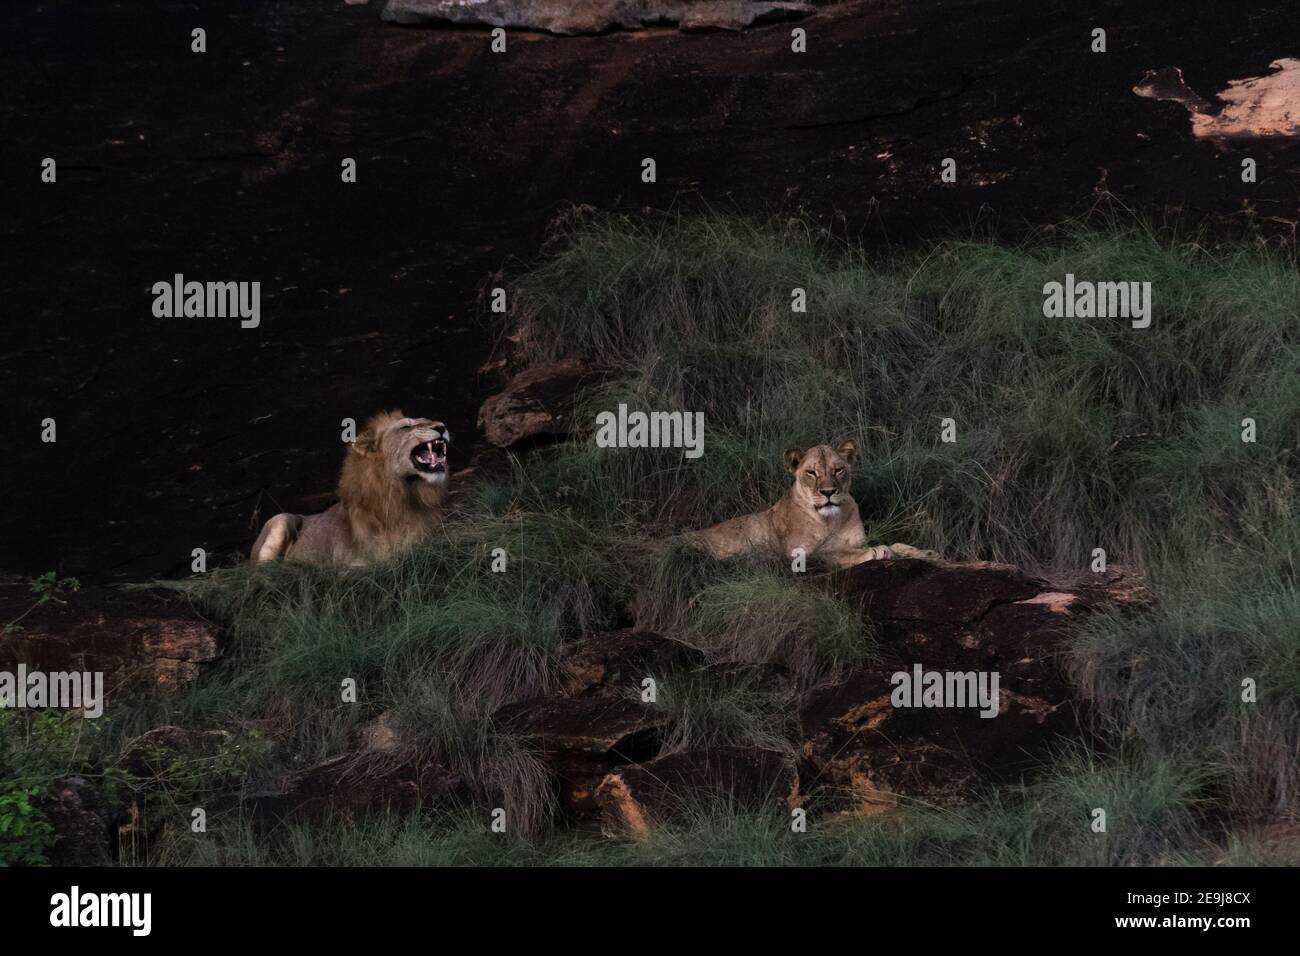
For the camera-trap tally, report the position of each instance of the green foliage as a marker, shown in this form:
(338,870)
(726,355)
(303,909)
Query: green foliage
(50,587)
(36,748)
(24,831)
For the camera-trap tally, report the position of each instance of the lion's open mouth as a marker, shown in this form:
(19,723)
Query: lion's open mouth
(431,457)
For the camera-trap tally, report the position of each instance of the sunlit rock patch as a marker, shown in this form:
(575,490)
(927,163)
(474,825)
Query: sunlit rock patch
(1258,106)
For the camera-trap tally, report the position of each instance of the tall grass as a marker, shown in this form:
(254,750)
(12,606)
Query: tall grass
(1150,820)
(1072,434)
(437,638)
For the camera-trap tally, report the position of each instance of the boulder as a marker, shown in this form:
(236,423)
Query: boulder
(352,785)
(946,627)
(894,592)
(154,755)
(591,16)
(85,823)
(537,404)
(133,637)
(583,738)
(619,660)
(631,799)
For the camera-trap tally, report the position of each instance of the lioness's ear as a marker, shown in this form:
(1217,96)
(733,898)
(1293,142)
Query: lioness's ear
(848,450)
(792,457)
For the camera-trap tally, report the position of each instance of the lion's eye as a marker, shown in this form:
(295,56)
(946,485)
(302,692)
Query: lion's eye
(839,471)
(813,473)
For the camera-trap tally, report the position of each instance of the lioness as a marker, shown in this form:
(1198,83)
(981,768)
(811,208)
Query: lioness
(816,515)
(391,490)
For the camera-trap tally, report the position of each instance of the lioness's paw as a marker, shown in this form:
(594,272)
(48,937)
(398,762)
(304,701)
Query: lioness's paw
(907,551)
(878,553)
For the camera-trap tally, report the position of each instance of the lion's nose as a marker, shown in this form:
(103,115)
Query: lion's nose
(828,492)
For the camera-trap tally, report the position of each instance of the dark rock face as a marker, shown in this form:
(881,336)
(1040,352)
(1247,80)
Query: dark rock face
(583,738)
(620,659)
(632,798)
(133,637)
(949,619)
(352,785)
(537,403)
(892,592)
(591,16)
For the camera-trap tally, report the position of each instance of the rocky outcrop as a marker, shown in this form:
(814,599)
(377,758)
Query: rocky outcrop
(596,722)
(583,738)
(1253,107)
(914,724)
(591,16)
(633,798)
(154,754)
(620,660)
(537,404)
(133,637)
(977,646)
(352,785)
(383,772)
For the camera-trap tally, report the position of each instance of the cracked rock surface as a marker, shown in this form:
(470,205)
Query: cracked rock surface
(961,621)
(591,16)
(132,637)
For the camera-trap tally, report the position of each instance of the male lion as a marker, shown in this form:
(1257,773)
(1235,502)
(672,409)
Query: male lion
(816,515)
(391,490)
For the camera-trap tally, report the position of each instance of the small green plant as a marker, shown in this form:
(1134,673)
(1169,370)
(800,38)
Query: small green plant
(24,831)
(48,588)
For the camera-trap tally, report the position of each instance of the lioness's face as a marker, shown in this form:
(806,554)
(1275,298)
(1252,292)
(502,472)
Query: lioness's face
(822,475)
(414,448)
